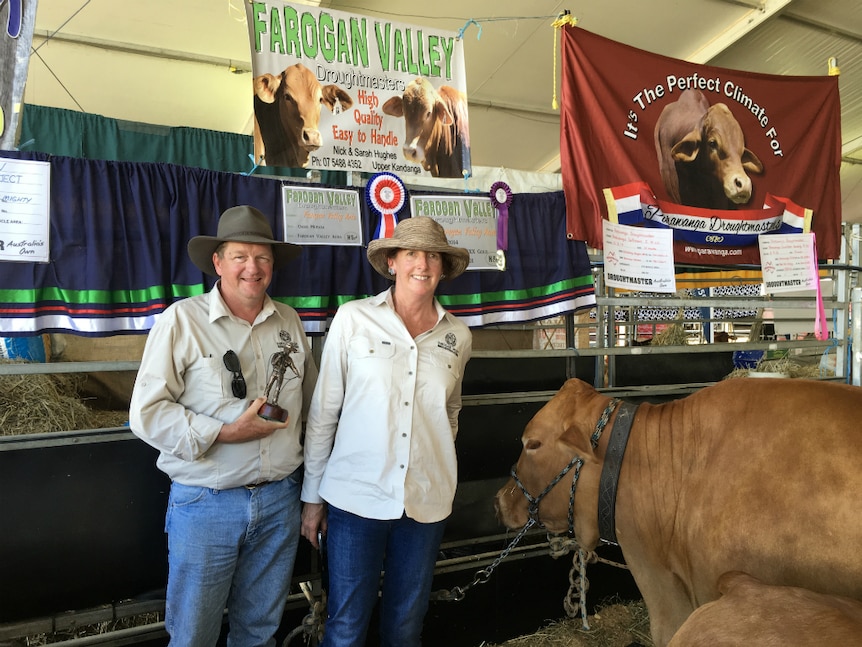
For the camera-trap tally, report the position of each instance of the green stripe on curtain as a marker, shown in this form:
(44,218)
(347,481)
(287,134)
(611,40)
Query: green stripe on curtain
(57,131)
(154,293)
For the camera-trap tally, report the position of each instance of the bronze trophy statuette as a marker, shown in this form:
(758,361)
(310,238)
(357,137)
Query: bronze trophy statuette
(280,361)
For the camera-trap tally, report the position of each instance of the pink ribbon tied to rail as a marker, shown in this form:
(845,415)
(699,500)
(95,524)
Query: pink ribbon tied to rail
(821,328)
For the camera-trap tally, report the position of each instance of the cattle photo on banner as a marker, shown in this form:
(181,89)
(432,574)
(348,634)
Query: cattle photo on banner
(337,91)
(717,155)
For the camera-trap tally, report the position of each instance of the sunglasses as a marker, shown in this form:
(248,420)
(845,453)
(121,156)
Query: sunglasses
(231,363)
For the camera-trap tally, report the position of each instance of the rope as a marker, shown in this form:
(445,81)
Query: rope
(564,18)
(576,597)
(312,624)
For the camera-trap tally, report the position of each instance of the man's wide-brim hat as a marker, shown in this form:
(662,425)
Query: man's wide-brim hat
(420,233)
(242,224)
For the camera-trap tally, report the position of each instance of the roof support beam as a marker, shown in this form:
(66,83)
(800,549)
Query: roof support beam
(747,23)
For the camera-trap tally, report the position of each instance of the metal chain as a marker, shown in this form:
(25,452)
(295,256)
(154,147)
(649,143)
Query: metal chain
(457,593)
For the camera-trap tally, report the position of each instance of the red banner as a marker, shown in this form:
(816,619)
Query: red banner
(707,150)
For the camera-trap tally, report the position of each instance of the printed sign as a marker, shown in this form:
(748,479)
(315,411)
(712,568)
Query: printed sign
(314,216)
(338,91)
(638,259)
(24,206)
(469,222)
(788,263)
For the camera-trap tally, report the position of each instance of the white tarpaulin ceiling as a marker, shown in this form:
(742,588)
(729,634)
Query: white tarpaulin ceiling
(187,62)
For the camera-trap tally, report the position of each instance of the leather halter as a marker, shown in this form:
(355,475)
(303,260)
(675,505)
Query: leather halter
(576,462)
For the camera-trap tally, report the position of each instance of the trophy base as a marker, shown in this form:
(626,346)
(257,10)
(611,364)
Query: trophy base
(272,412)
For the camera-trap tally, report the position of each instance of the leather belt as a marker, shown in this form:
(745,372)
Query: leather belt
(254,486)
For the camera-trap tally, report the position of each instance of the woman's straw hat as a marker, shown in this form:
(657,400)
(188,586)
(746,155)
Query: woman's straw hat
(242,224)
(420,233)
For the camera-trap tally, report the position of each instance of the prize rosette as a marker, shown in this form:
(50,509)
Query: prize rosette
(385,194)
(501,198)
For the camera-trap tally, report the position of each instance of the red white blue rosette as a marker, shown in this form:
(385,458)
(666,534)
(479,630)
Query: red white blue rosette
(385,194)
(501,198)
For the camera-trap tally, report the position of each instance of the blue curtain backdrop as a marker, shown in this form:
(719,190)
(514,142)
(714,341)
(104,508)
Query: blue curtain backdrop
(119,229)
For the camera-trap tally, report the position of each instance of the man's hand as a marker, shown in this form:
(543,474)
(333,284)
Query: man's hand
(249,426)
(313,521)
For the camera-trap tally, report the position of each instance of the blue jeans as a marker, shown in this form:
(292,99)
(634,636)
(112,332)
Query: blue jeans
(358,549)
(230,548)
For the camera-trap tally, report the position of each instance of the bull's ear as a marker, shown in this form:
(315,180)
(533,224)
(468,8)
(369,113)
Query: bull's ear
(577,440)
(750,162)
(686,149)
(265,87)
(333,95)
(444,115)
(394,107)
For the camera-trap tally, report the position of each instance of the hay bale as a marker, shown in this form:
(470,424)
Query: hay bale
(785,365)
(102,389)
(617,624)
(47,403)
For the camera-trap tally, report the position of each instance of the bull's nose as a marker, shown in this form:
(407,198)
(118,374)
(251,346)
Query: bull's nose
(738,190)
(311,138)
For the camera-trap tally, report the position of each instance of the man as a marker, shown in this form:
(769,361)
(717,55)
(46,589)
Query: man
(233,514)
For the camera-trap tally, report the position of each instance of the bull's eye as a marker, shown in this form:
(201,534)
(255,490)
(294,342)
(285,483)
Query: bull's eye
(713,145)
(532,444)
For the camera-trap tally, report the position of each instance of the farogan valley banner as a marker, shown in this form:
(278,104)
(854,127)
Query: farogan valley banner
(336,91)
(717,155)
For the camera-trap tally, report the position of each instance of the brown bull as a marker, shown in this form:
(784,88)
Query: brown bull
(750,612)
(701,153)
(287,115)
(758,476)
(436,125)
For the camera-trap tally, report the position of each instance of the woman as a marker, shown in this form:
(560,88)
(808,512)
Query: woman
(380,465)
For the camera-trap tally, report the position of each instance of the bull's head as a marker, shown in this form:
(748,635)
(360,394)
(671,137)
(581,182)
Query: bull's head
(300,98)
(423,110)
(718,147)
(559,431)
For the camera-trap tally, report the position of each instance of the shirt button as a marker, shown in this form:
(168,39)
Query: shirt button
(401,466)
(404,435)
(409,372)
(406,404)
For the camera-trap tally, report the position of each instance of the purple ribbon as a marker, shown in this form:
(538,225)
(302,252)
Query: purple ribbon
(501,198)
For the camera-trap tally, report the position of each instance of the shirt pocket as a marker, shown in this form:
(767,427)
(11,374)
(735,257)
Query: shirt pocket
(443,359)
(364,348)
(371,360)
(209,379)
